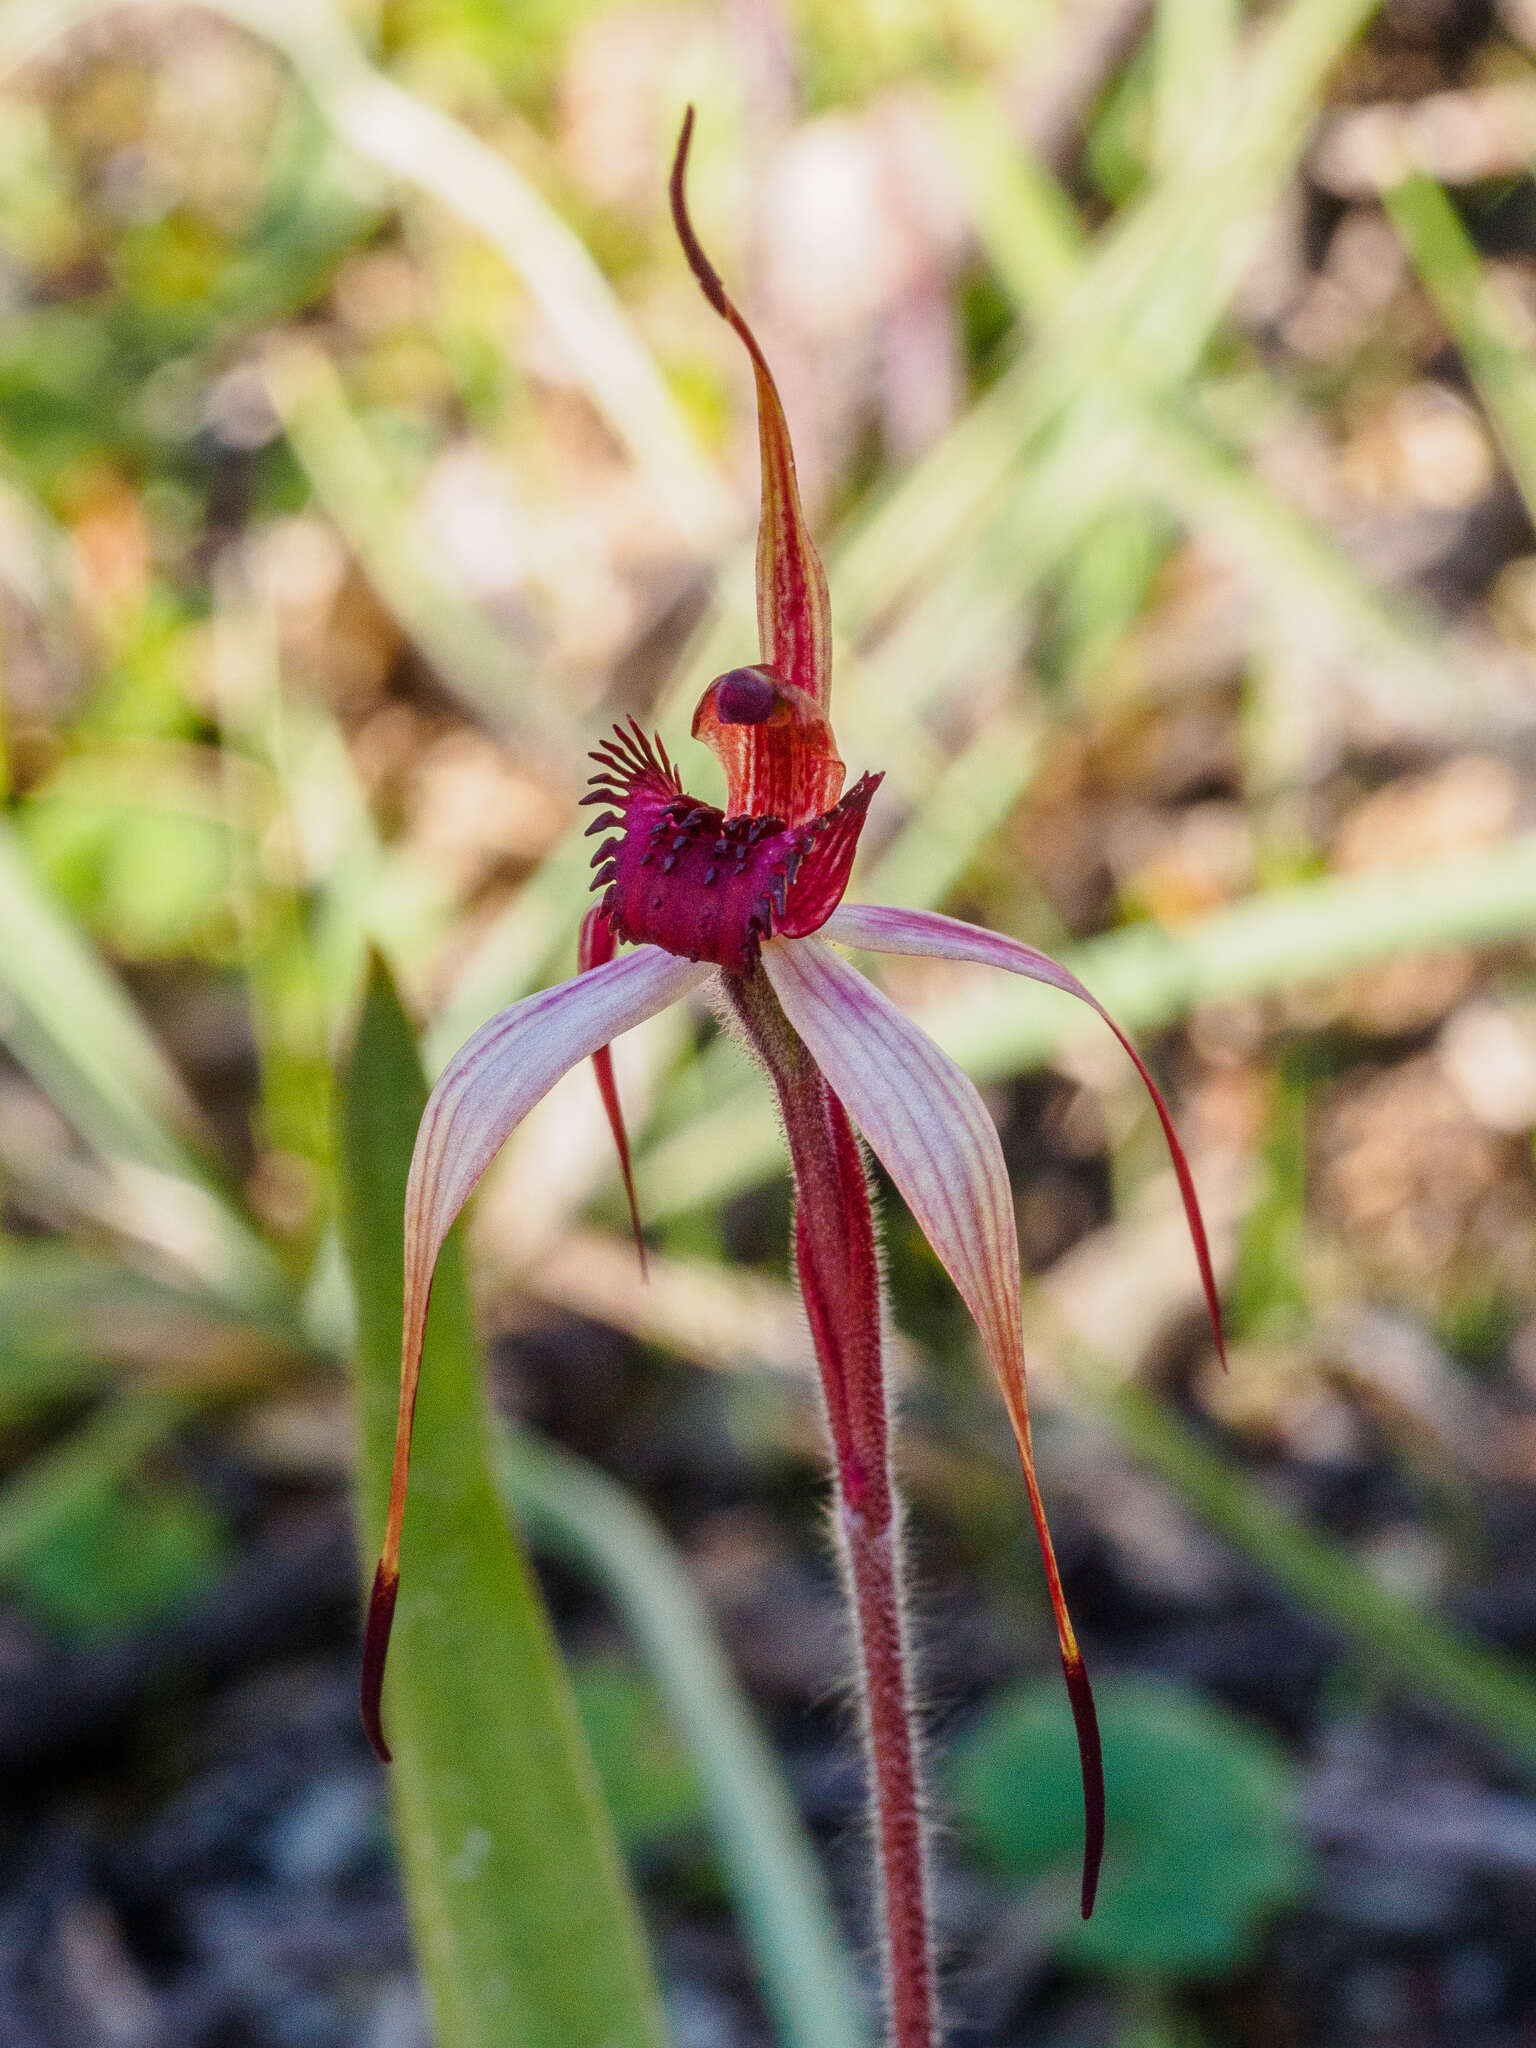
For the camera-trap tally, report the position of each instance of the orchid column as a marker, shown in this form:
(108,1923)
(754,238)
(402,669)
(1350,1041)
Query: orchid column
(839,1273)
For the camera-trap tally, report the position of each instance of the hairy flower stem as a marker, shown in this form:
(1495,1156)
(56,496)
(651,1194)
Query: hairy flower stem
(839,1273)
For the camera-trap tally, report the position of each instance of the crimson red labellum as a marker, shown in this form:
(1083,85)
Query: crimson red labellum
(684,876)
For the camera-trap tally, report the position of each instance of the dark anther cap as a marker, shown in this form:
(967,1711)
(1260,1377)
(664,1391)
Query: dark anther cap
(744,696)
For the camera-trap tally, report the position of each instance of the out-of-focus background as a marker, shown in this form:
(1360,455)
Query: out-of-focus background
(1162,384)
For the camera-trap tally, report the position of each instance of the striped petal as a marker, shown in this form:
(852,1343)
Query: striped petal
(879,929)
(486,1090)
(929,1128)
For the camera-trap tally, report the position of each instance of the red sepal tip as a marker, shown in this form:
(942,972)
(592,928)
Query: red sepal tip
(598,943)
(381,1617)
(1091,1752)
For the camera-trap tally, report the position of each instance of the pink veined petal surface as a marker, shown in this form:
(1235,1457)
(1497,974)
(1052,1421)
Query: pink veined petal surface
(879,928)
(929,1128)
(487,1088)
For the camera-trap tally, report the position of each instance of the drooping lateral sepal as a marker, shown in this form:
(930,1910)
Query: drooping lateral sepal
(595,946)
(879,928)
(681,875)
(924,1120)
(486,1089)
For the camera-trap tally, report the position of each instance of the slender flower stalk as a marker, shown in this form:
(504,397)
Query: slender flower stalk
(742,900)
(839,1272)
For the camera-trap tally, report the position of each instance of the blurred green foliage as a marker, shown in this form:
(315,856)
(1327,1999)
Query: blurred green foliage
(134,1552)
(1205,1847)
(1268,1295)
(649,1783)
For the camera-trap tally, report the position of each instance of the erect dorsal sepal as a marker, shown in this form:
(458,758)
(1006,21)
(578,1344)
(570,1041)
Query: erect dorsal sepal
(794,616)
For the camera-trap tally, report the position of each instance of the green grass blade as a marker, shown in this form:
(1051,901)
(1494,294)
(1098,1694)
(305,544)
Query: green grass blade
(1027,225)
(53,1488)
(483,668)
(411,139)
(1146,305)
(578,1513)
(1398,656)
(1479,1686)
(1036,246)
(65,1019)
(1493,336)
(71,1026)
(524,1926)
(1149,975)
(1192,46)
(969,802)
(519,947)
(75,1323)
(283,986)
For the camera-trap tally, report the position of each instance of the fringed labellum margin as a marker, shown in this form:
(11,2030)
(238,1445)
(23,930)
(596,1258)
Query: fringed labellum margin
(685,876)
(735,897)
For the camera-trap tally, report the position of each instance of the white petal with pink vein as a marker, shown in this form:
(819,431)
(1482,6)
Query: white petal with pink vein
(880,928)
(494,1079)
(928,1127)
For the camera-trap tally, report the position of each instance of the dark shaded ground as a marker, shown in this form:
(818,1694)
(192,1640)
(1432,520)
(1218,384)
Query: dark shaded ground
(195,1849)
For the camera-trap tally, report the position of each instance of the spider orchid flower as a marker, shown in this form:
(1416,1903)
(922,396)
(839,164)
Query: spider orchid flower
(743,901)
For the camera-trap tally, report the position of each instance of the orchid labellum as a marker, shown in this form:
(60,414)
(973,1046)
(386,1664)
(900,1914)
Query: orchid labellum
(744,901)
